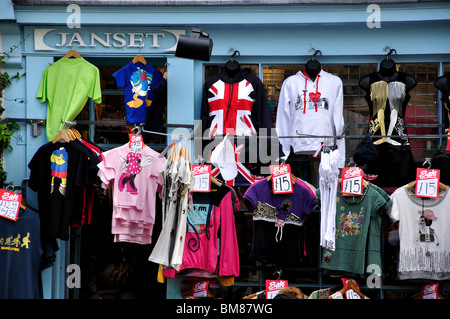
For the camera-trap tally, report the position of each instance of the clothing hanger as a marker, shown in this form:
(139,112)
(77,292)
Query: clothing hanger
(351,285)
(365,182)
(62,135)
(139,58)
(72,54)
(232,67)
(23,203)
(293,178)
(313,67)
(412,185)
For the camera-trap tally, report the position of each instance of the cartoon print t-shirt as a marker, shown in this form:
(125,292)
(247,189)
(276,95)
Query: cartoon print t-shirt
(423,232)
(138,82)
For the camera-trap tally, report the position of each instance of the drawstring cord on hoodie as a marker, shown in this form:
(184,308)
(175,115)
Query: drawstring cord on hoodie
(306,90)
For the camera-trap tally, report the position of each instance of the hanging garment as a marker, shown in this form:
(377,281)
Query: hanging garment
(155,116)
(423,232)
(328,182)
(387,105)
(23,255)
(66,85)
(211,240)
(357,240)
(239,107)
(62,174)
(168,250)
(135,179)
(138,82)
(278,222)
(310,108)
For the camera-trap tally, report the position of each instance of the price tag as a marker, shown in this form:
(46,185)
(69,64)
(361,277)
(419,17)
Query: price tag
(9,204)
(351,294)
(202,178)
(200,289)
(136,143)
(352,181)
(273,287)
(427,183)
(281,179)
(430,291)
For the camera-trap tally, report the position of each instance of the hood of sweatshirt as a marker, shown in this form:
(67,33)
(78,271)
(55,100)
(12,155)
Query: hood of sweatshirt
(242,74)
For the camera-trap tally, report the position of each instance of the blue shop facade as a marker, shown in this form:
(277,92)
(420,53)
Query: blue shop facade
(274,40)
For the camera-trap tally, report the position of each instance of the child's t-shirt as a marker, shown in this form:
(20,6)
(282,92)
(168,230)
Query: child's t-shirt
(138,82)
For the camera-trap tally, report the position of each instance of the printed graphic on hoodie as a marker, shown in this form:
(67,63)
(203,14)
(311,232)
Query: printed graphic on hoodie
(133,165)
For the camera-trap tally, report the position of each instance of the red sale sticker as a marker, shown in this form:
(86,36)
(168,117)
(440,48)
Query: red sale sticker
(352,181)
(200,289)
(427,183)
(136,143)
(9,204)
(273,287)
(281,179)
(430,291)
(202,178)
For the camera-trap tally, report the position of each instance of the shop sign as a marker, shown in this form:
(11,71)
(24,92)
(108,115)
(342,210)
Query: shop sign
(90,39)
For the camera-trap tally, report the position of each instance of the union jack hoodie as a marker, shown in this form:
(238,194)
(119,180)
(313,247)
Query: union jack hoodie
(311,110)
(237,106)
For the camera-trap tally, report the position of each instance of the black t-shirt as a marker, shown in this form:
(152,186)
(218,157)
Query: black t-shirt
(59,174)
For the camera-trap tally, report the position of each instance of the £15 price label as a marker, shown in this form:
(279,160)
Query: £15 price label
(281,179)
(352,181)
(202,178)
(427,182)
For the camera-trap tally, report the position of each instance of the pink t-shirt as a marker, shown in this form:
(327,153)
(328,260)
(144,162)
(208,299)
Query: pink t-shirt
(135,179)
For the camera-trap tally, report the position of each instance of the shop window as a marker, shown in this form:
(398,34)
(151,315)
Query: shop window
(105,123)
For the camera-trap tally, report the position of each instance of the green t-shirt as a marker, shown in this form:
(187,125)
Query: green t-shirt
(66,85)
(357,224)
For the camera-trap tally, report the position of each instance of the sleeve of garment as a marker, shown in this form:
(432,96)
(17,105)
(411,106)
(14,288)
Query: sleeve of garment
(394,209)
(261,116)
(119,76)
(204,112)
(96,92)
(309,202)
(282,123)
(251,197)
(106,169)
(338,121)
(158,166)
(42,91)
(33,165)
(229,252)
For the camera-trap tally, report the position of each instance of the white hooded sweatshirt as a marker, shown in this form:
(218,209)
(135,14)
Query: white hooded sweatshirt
(320,114)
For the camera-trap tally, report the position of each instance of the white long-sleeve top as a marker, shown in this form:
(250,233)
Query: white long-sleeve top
(319,114)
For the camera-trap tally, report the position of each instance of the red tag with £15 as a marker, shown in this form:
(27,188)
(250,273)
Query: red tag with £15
(427,182)
(281,179)
(352,181)
(202,178)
